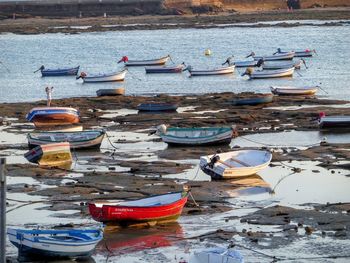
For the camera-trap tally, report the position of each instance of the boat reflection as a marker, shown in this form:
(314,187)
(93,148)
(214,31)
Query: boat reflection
(129,240)
(250,185)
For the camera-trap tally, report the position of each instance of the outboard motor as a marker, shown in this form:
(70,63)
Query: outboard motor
(213,160)
(161,129)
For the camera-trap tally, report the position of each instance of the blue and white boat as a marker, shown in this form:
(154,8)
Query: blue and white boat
(196,136)
(157,107)
(44,116)
(54,243)
(58,72)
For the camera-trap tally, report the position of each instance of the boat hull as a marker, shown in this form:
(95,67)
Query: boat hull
(59,72)
(245,64)
(220,71)
(158,70)
(265,74)
(155,107)
(151,62)
(77,140)
(329,122)
(253,101)
(293,91)
(278,56)
(273,66)
(119,76)
(48,116)
(110,92)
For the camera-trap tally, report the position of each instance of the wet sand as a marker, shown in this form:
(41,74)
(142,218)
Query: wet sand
(40,25)
(141,177)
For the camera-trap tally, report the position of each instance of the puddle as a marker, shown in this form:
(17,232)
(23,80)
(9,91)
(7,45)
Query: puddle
(186,109)
(117,113)
(12,138)
(291,108)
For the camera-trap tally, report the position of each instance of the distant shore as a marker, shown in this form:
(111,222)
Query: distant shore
(38,25)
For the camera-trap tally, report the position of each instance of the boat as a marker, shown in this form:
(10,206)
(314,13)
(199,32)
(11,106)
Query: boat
(235,163)
(158,208)
(264,74)
(284,65)
(157,107)
(299,53)
(211,72)
(336,121)
(46,116)
(276,56)
(196,136)
(243,64)
(53,154)
(217,255)
(150,62)
(287,90)
(110,92)
(77,140)
(253,100)
(115,76)
(44,244)
(58,72)
(165,69)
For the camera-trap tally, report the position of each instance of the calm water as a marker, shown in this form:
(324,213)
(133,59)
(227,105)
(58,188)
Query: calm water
(99,53)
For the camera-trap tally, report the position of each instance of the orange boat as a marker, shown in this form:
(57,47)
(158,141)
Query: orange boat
(47,116)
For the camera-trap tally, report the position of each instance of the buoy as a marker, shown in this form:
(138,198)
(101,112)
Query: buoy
(207,52)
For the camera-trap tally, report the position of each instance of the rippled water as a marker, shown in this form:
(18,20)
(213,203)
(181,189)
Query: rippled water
(99,53)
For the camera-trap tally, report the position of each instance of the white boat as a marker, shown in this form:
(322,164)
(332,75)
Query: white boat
(235,164)
(149,62)
(110,92)
(283,65)
(287,90)
(245,64)
(116,76)
(165,69)
(77,140)
(217,255)
(211,72)
(264,74)
(299,53)
(276,56)
(339,121)
(196,136)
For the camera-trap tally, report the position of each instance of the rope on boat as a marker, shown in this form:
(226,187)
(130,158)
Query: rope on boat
(194,201)
(110,142)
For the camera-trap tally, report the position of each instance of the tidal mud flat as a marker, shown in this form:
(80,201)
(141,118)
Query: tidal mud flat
(300,199)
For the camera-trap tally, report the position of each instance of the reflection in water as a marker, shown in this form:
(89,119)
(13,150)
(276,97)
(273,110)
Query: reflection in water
(129,240)
(250,185)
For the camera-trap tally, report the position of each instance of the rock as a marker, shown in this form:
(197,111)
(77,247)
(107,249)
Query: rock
(309,230)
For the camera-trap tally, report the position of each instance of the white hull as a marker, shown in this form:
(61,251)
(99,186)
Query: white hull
(278,56)
(120,76)
(236,163)
(151,62)
(285,90)
(219,71)
(264,74)
(277,65)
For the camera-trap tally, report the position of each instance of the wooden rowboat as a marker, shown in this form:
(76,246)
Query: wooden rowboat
(285,65)
(157,107)
(299,53)
(157,208)
(254,100)
(263,74)
(329,122)
(235,164)
(58,72)
(53,154)
(217,255)
(116,76)
(211,72)
(286,90)
(196,136)
(164,69)
(110,92)
(150,62)
(276,56)
(77,140)
(48,116)
(52,244)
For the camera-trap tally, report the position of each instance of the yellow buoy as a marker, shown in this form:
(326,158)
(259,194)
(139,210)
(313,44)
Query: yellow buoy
(207,52)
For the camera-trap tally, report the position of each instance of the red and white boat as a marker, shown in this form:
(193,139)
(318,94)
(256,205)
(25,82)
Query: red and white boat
(47,116)
(157,208)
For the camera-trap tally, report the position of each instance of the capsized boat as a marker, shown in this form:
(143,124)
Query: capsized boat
(253,100)
(283,65)
(235,163)
(299,52)
(196,136)
(149,62)
(45,244)
(77,140)
(165,69)
(58,72)
(157,106)
(264,74)
(287,90)
(211,72)
(110,92)
(46,116)
(110,77)
(157,208)
(53,154)
(217,255)
(276,56)
(335,121)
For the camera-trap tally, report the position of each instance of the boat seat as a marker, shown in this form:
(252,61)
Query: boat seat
(226,164)
(240,162)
